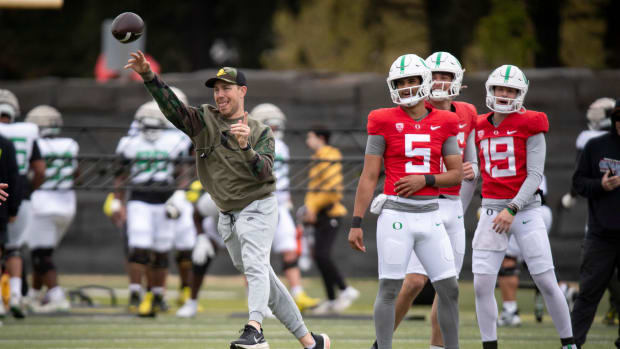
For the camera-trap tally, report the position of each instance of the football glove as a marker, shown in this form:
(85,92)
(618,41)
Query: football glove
(174,204)
(202,250)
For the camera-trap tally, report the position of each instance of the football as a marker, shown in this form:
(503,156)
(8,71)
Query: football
(127,27)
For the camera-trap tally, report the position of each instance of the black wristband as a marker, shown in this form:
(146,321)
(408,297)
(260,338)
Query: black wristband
(429,179)
(356,222)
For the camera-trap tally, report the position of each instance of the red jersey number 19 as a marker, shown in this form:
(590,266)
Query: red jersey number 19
(499,151)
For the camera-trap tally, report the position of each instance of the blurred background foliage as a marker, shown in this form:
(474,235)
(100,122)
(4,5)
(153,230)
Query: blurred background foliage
(326,35)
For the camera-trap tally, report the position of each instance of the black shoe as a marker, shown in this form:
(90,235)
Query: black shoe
(251,338)
(375,345)
(322,341)
(159,304)
(134,302)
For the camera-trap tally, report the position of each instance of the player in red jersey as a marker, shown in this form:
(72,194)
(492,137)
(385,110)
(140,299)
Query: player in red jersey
(447,75)
(512,151)
(410,139)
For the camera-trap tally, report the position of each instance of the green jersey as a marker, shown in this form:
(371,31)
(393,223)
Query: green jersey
(234,177)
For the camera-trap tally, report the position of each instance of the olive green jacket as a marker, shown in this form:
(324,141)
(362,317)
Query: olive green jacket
(233,176)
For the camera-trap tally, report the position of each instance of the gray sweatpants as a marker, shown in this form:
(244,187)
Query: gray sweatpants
(248,235)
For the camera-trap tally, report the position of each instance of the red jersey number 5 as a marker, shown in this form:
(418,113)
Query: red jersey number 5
(424,153)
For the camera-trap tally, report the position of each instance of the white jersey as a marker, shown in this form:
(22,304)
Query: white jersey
(153,158)
(280,171)
(585,136)
(23,135)
(54,196)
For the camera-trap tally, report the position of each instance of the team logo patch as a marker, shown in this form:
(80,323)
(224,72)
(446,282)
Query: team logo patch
(480,133)
(496,132)
(397,225)
(417,126)
(399,126)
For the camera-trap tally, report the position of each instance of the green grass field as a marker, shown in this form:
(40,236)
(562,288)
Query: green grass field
(224,301)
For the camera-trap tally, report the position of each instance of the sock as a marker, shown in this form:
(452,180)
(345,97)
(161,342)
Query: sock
(448,311)
(158,290)
(385,311)
(555,301)
(435,347)
(15,283)
(135,288)
(510,306)
(486,307)
(296,290)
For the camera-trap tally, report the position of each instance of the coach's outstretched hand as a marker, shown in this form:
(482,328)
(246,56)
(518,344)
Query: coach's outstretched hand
(138,63)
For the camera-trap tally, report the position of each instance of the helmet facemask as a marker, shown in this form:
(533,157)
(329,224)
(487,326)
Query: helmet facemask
(407,66)
(444,62)
(151,128)
(511,77)
(409,96)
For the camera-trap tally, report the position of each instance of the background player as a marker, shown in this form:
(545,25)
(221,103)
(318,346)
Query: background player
(208,244)
(512,151)
(285,240)
(599,123)
(410,139)
(53,208)
(447,75)
(9,174)
(23,135)
(149,163)
(324,211)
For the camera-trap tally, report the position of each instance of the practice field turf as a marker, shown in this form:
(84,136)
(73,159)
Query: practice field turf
(224,301)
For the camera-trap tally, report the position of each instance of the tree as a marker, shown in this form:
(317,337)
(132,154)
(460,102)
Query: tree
(504,36)
(337,35)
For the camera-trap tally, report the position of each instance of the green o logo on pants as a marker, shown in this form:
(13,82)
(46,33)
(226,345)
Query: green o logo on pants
(397,225)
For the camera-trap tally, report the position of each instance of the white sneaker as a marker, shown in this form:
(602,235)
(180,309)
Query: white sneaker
(510,319)
(345,299)
(53,306)
(189,309)
(324,308)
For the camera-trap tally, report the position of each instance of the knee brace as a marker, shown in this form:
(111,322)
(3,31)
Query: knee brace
(509,271)
(42,260)
(289,265)
(184,258)
(139,256)
(160,260)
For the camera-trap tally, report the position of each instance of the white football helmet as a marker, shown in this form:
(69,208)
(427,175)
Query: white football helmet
(180,95)
(151,121)
(445,62)
(406,66)
(9,104)
(599,113)
(47,118)
(271,116)
(507,76)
